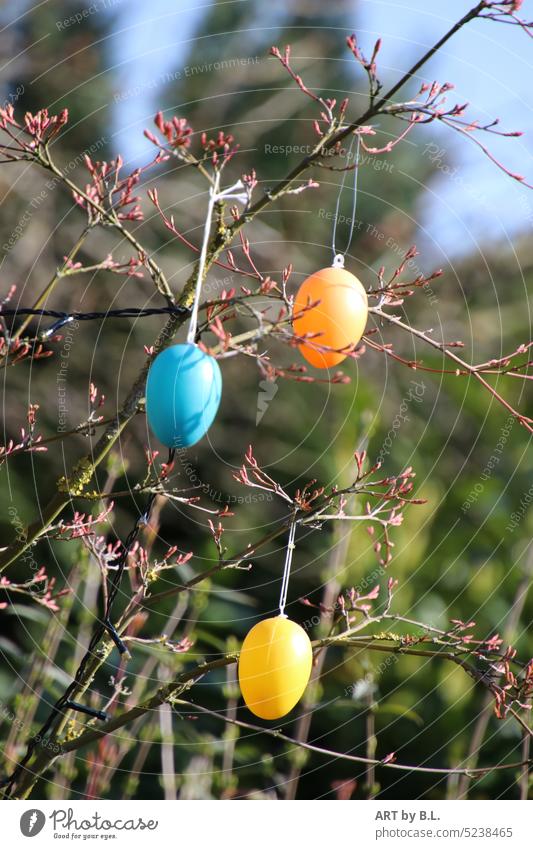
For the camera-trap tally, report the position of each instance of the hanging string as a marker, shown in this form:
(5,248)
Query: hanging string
(213,197)
(234,193)
(338,258)
(287,570)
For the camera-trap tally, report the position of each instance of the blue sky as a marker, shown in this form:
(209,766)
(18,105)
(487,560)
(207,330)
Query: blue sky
(490,64)
(491,67)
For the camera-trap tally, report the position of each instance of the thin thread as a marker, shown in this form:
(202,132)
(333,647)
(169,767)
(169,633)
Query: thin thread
(213,197)
(234,192)
(287,570)
(354,203)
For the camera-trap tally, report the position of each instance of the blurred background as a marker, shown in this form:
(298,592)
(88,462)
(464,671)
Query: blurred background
(114,64)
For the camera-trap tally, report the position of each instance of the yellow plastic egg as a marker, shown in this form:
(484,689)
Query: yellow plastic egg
(274,667)
(336,322)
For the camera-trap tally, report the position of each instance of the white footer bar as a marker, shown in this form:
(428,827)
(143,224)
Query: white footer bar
(251,825)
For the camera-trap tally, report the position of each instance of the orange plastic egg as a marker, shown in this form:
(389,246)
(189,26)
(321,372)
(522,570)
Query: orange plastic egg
(339,320)
(274,667)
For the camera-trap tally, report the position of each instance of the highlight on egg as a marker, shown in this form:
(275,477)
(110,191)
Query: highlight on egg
(274,667)
(338,321)
(183,391)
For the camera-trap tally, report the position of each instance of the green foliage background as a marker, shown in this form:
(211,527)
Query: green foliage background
(450,562)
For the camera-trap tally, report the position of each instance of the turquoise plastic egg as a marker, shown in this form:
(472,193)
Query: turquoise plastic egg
(183,391)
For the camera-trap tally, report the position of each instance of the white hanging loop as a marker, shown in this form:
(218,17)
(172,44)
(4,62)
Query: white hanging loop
(338,258)
(232,193)
(287,570)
